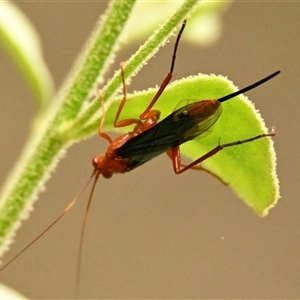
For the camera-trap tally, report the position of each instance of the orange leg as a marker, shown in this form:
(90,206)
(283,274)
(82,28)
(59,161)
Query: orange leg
(148,113)
(117,123)
(125,122)
(141,126)
(179,168)
(100,132)
(149,117)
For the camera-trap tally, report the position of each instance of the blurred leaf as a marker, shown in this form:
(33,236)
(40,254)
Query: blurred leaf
(204,25)
(8,293)
(22,43)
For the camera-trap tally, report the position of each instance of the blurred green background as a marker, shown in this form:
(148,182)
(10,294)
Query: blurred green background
(152,234)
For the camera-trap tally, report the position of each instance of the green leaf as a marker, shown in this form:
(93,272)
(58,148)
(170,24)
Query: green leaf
(22,43)
(239,166)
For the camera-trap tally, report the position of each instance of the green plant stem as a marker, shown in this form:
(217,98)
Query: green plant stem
(83,127)
(47,142)
(51,134)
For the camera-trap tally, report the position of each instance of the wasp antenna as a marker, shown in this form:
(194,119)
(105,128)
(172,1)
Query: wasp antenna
(67,209)
(80,250)
(250,87)
(176,45)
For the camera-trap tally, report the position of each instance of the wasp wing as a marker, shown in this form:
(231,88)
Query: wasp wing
(184,124)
